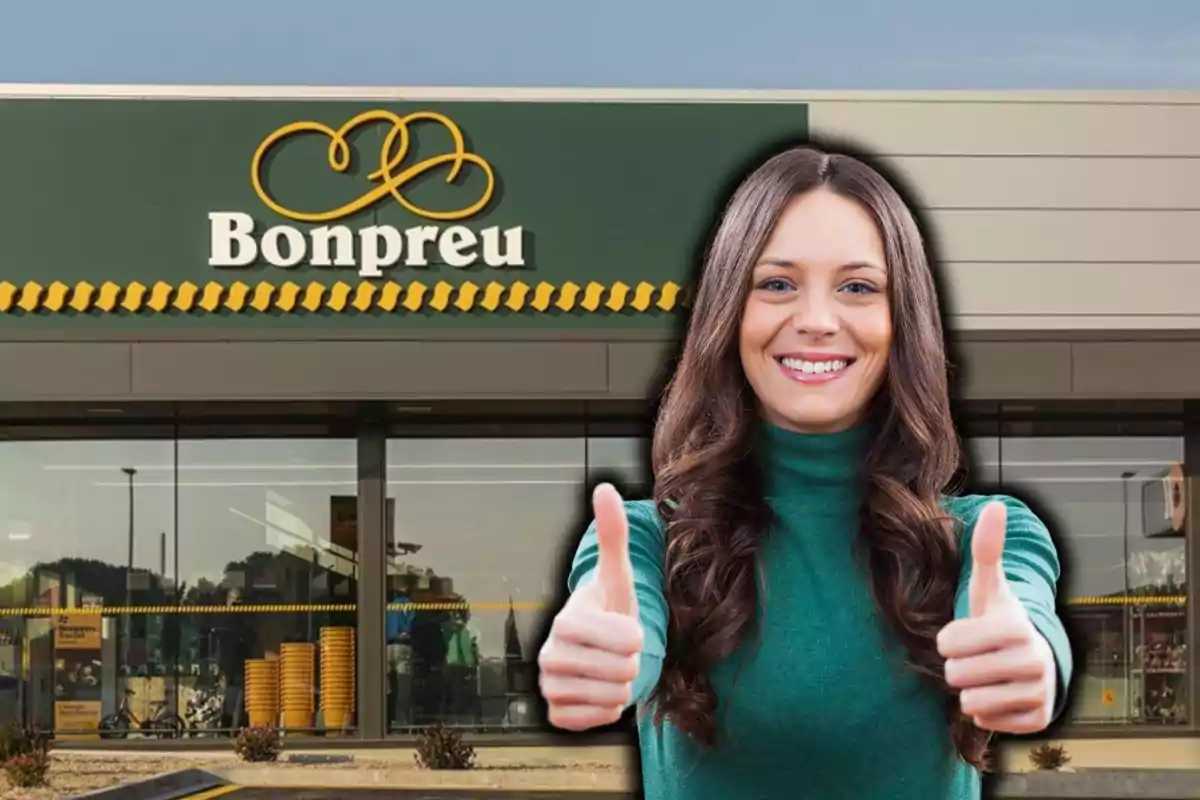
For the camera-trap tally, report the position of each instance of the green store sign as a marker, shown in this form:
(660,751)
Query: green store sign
(118,213)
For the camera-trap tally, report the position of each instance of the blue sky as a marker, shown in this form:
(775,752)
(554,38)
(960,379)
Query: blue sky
(843,44)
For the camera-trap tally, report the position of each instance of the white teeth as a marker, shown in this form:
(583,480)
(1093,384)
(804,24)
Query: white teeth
(814,367)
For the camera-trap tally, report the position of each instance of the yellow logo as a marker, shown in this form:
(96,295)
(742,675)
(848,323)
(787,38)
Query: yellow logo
(392,175)
(1108,697)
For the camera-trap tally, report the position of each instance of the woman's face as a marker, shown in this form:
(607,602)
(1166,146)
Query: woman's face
(817,327)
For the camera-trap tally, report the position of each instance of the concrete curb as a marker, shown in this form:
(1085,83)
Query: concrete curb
(1102,784)
(171,786)
(1083,784)
(539,739)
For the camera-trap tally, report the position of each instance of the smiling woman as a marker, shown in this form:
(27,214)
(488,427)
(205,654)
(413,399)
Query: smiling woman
(806,543)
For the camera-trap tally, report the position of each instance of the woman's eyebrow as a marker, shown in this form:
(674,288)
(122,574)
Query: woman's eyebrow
(788,263)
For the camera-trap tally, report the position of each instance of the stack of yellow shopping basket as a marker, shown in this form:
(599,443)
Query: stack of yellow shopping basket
(262,692)
(337,678)
(297,691)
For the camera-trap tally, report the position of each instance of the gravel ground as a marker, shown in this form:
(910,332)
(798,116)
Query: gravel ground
(73,773)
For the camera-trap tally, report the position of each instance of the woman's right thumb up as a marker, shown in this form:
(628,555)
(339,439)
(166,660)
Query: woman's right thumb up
(614,572)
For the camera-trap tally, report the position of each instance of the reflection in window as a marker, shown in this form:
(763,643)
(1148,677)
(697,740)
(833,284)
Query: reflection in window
(622,459)
(86,525)
(268,544)
(477,542)
(154,599)
(1115,506)
(139,601)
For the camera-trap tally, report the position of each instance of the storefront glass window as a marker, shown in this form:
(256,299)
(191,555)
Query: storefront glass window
(168,586)
(1114,503)
(477,531)
(74,539)
(233,572)
(622,460)
(268,566)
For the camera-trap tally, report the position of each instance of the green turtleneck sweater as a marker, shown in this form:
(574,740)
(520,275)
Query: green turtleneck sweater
(819,710)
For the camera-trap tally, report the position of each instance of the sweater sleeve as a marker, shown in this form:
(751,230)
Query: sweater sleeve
(1032,566)
(647,553)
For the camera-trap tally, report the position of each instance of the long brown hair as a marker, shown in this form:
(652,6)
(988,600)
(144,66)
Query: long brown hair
(708,488)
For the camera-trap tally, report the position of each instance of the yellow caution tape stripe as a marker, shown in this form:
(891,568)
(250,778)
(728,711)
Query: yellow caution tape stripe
(290,297)
(1148,600)
(290,608)
(304,608)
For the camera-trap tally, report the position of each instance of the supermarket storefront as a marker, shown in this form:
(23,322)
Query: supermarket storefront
(310,393)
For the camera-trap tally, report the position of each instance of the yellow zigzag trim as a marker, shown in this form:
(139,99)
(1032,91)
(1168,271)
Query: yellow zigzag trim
(504,606)
(340,297)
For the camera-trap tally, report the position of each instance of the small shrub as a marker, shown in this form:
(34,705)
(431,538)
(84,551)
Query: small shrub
(440,747)
(259,744)
(18,741)
(29,770)
(1049,756)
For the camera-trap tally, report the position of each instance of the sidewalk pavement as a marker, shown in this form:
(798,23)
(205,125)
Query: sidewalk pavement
(568,769)
(1119,753)
(1157,753)
(524,769)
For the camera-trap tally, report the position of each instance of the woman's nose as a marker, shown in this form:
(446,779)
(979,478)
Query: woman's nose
(815,315)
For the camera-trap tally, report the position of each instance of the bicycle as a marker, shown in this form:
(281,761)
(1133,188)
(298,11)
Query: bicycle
(162,723)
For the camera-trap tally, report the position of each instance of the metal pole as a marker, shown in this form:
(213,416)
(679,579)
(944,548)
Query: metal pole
(1191,550)
(1129,629)
(372,580)
(176,581)
(129,472)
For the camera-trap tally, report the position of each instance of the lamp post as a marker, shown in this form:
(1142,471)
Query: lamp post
(129,472)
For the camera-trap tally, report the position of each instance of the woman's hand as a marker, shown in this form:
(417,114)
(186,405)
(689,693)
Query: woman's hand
(593,653)
(1003,667)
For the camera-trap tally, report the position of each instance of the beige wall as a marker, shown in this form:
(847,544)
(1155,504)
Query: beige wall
(1051,214)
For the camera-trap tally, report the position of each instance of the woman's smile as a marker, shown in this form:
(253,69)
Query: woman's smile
(814,368)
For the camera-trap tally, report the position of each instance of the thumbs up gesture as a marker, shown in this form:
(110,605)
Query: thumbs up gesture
(1003,667)
(593,652)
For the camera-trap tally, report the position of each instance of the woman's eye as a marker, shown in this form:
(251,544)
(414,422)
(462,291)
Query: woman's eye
(775,285)
(859,288)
